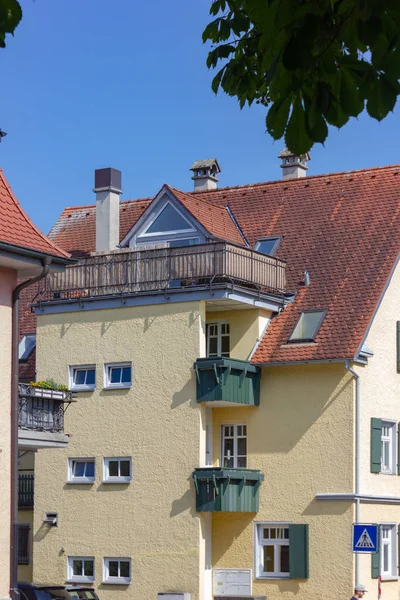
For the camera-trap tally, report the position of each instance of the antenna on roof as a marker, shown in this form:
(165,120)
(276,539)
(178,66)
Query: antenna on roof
(2,134)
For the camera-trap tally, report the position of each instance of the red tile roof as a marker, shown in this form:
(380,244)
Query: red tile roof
(17,229)
(343,228)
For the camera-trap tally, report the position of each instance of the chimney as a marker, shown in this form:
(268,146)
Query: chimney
(293,166)
(107,186)
(205,174)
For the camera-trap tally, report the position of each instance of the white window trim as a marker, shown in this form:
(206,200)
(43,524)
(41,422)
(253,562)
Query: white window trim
(116,580)
(258,562)
(392,576)
(79,578)
(116,386)
(219,337)
(80,480)
(121,479)
(235,443)
(160,234)
(81,388)
(393,449)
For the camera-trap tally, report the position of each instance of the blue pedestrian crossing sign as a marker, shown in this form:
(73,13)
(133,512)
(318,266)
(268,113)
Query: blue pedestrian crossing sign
(365,538)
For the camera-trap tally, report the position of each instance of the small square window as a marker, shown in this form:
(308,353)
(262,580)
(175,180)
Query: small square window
(117,470)
(118,375)
(81,470)
(308,325)
(26,346)
(117,570)
(82,378)
(80,569)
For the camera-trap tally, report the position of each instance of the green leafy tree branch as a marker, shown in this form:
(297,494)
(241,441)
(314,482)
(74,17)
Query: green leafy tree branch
(312,63)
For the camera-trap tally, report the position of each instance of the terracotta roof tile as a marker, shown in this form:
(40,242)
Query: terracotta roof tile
(16,227)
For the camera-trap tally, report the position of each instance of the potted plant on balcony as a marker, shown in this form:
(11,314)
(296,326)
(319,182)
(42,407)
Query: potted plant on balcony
(49,389)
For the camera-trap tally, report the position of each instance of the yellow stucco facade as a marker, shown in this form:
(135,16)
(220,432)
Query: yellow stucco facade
(301,438)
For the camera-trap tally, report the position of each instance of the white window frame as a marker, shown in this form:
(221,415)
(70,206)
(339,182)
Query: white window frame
(390,542)
(219,337)
(81,387)
(235,443)
(390,440)
(116,580)
(116,386)
(120,478)
(72,479)
(259,544)
(166,234)
(277,241)
(79,578)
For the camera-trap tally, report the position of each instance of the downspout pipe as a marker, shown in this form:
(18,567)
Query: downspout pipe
(46,261)
(357,466)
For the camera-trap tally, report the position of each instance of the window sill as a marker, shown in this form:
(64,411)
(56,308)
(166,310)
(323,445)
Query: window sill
(83,389)
(278,577)
(80,580)
(82,482)
(117,480)
(116,581)
(117,387)
(389,578)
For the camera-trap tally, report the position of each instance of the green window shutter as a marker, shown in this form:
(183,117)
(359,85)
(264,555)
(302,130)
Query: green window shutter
(376,434)
(398,345)
(375,565)
(298,551)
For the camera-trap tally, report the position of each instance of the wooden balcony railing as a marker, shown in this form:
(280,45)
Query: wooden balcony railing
(157,269)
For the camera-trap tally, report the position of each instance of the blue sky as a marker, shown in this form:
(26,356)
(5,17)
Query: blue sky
(93,83)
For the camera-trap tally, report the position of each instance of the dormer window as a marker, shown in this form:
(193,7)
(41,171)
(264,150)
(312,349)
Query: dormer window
(268,245)
(169,220)
(308,325)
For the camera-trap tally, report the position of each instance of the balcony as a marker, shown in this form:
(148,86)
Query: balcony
(227,382)
(167,270)
(25,490)
(41,417)
(222,489)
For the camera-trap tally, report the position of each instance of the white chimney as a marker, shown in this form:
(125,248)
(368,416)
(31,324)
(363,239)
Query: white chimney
(205,174)
(107,186)
(293,166)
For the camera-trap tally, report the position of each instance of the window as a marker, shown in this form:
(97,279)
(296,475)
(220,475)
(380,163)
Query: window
(388,553)
(308,325)
(273,550)
(117,470)
(24,535)
(82,377)
(81,470)
(268,246)
(218,343)
(183,242)
(80,568)
(26,347)
(169,219)
(118,375)
(388,439)
(234,446)
(117,570)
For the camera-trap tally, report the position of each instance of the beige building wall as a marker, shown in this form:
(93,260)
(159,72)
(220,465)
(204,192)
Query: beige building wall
(8,282)
(157,422)
(301,438)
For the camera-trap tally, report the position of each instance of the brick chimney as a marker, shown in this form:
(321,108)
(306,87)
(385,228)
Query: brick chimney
(205,174)
(107,186)
(293,166)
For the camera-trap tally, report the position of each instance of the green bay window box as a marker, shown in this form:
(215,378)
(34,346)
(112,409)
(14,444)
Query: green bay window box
(227,381)
(223,489)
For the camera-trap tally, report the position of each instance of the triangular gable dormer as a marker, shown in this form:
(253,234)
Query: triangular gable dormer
(165,221)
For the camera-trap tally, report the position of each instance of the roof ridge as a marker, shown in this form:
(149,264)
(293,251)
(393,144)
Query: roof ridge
(86,206)
(296,180)
(28,220)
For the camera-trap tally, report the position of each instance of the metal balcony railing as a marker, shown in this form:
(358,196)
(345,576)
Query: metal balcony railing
(157,269)
(42,409)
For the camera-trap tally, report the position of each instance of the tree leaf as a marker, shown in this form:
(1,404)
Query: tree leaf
(382,99)
(319,131)
(350,100)
(296,136)
(217,80)
(277,118)
(296,55)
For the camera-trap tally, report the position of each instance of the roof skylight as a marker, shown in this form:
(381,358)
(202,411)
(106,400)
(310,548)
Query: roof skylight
(268,245)
(26,346)
(308,325)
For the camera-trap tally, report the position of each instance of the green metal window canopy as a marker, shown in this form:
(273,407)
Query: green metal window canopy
(223,489)
(227,380)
